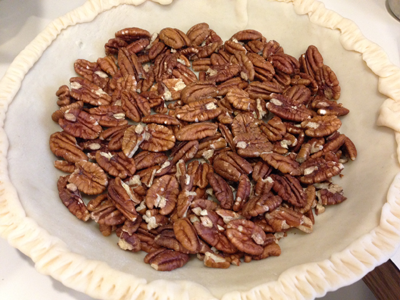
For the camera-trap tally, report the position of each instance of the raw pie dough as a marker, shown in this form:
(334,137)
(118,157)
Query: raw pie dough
(348,241)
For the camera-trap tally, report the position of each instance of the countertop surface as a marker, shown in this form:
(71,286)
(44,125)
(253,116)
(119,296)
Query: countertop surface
(21,21)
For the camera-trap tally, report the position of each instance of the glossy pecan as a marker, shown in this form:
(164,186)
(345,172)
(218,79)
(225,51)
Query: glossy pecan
(213,260)
(247,35)
(210,145)
(185,151)
(129,242)
(264,70)
(298,94)
(134,105)
(60,113)
(271,47)
(108,64)
(285,63)
(199,172)
(260,204)
(242,193)
(239,99)
(350,149)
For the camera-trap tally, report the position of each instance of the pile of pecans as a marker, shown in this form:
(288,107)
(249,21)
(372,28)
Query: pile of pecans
(220,163)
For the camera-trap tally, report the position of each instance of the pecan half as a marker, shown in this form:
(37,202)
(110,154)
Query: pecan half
(246,236)
(186,234)
(116,164)
(79,123)
(64,145)
(89,178)
(72,199)
(160,138)
(289,188)
(88,92)
(166,260)
(320,126)
(221,190)
(196,131)
(163,194)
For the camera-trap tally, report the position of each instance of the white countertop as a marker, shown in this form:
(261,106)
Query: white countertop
(21,21)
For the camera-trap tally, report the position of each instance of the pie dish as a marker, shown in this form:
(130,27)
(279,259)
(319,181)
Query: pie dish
(349,240)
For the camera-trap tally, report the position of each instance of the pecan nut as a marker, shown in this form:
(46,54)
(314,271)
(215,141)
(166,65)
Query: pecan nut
(163,194)
(89,178)
(196,131)
(72,199)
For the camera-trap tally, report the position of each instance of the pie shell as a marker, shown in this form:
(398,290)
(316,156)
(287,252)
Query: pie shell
(348,241)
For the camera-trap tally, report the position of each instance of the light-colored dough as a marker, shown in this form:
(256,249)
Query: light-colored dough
(348,241)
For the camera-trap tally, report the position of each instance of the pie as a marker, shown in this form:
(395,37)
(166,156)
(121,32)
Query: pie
(348,240)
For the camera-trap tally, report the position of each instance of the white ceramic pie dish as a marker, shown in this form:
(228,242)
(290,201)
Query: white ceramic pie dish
(346,243)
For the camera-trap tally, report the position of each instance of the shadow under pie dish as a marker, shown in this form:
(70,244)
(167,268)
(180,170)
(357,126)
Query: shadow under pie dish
(303,269)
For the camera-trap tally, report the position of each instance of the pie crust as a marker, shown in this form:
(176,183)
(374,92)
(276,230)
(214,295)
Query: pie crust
(348,241)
